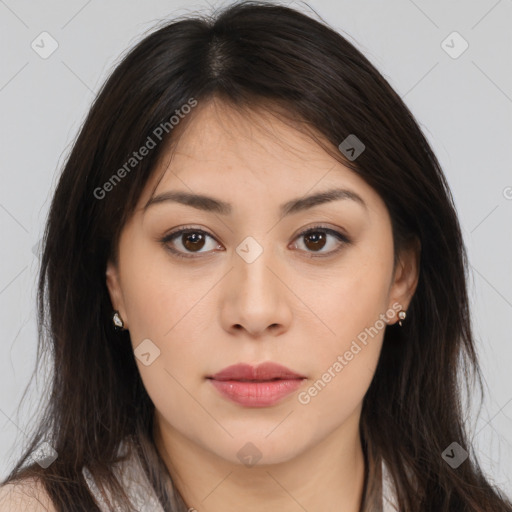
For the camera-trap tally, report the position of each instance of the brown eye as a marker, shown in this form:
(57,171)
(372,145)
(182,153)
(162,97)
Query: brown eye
(186,242)
(193,241)
(316,238)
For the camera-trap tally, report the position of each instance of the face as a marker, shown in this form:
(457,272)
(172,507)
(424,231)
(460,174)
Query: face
(261,274)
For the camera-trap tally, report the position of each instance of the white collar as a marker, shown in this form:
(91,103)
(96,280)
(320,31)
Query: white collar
(389,503)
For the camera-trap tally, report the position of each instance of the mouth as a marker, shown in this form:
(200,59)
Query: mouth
(260,386)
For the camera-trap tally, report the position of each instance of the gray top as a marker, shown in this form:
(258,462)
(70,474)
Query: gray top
(142,496)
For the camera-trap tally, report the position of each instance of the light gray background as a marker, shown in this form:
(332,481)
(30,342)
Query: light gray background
(464,106)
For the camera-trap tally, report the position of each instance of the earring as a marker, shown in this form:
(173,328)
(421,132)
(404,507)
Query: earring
(401,315)
(118,321)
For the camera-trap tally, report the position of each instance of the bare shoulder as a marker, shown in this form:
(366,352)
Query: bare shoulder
(28,495)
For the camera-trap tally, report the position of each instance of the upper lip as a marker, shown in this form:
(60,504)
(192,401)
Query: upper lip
(262,372)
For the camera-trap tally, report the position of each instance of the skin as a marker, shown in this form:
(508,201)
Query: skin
(215,309)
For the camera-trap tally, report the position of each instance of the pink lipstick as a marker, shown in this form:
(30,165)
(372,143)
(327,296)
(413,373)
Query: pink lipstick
(256,386)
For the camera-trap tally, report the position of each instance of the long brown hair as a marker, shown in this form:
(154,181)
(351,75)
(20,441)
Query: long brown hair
(253,53)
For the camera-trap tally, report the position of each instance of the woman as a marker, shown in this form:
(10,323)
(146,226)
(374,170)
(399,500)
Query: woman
(254,281)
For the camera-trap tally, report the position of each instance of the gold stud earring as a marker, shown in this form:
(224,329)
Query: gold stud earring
(401,315)
(118,321)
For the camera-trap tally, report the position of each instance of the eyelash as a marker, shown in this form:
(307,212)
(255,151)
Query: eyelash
(314,229)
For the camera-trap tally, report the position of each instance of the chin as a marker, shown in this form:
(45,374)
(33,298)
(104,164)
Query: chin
(259,450)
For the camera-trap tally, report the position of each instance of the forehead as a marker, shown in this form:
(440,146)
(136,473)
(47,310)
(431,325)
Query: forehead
(226,152)
(219,133)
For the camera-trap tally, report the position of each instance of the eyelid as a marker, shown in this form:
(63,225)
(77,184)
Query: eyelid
(340,235)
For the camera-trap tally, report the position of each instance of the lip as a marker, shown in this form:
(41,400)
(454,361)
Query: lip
(256,386)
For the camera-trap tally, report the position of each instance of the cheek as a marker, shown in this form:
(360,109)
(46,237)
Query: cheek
(352,307)
(353,299)
(344,367)
(163,305)
(340,387)
(157,294)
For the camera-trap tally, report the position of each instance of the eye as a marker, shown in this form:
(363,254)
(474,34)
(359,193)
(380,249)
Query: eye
(317,238)
(190,239)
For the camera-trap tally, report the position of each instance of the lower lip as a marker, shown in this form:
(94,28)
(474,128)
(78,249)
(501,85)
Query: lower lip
(256,394)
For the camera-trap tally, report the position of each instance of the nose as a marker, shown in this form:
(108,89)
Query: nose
(256,298)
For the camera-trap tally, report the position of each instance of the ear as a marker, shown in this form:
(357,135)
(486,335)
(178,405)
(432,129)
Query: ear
(115,291)
(406,275)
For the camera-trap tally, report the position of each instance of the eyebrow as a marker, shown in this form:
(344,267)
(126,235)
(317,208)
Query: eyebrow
(210,204)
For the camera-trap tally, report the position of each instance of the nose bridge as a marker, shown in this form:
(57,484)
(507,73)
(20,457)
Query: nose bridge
(253,261)
(256,294)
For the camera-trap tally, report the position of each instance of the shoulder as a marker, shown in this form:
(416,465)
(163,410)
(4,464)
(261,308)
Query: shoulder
(27,495)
